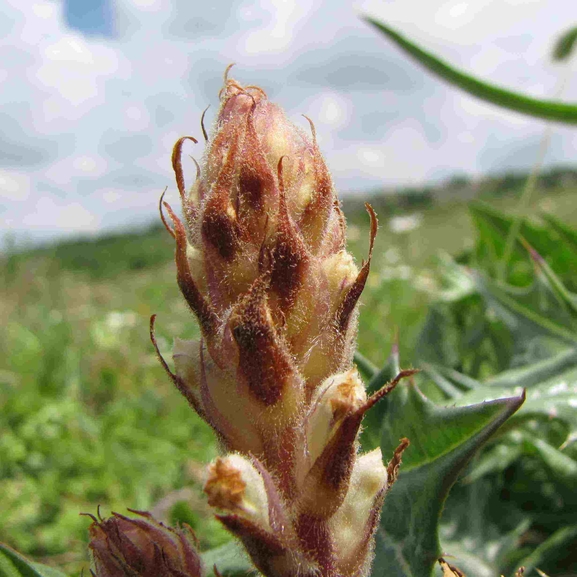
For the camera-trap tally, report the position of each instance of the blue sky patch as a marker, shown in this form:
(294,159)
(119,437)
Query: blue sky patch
(91,17)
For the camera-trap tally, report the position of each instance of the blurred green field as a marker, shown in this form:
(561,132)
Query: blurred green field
(89,418)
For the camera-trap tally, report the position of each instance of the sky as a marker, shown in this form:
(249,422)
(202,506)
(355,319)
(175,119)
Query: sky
(94,93)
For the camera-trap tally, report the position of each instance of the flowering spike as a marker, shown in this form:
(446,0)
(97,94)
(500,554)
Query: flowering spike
(262,263)
(122,546)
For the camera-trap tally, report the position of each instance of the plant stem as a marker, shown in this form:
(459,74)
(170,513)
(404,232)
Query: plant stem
(529,187)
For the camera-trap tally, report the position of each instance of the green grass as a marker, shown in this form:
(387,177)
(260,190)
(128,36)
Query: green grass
(89,418)
(88,415)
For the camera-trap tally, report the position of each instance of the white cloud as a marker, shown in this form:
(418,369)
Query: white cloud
(44,10)
(371,156)
(466,137)
(329,110)
(459,9)
(278,34)
(136,117)
(334,111)
(456,14)
(74,69)
(85,164)
(51,214)
(14,186)
(80,166)
(111,196)
(148,5)
(137,200)
(475,112)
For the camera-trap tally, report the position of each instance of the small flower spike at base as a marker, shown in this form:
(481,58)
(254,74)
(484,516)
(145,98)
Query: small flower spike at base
(261,261)
(142,547)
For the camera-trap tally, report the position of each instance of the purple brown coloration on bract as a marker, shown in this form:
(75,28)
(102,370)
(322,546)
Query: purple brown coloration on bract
(142,547)
(262,262)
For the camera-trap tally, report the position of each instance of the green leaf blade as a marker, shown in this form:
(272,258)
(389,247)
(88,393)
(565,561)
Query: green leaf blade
(443,440)
(14,564)
(230,559)
(565,45)
(545,109)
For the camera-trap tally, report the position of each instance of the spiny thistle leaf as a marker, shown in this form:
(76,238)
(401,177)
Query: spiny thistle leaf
(528,308)
(547,109)
(553,397)
(13,564)
(551,390)
(443,440)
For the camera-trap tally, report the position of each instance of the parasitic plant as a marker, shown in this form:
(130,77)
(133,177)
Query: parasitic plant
(262,262)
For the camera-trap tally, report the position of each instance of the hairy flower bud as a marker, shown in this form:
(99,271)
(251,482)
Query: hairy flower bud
(336,398)
(355,521)
(262,262)
(126,547)
(234,485)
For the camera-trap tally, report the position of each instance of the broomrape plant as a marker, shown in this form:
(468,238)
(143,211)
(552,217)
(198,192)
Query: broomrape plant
(261,261)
